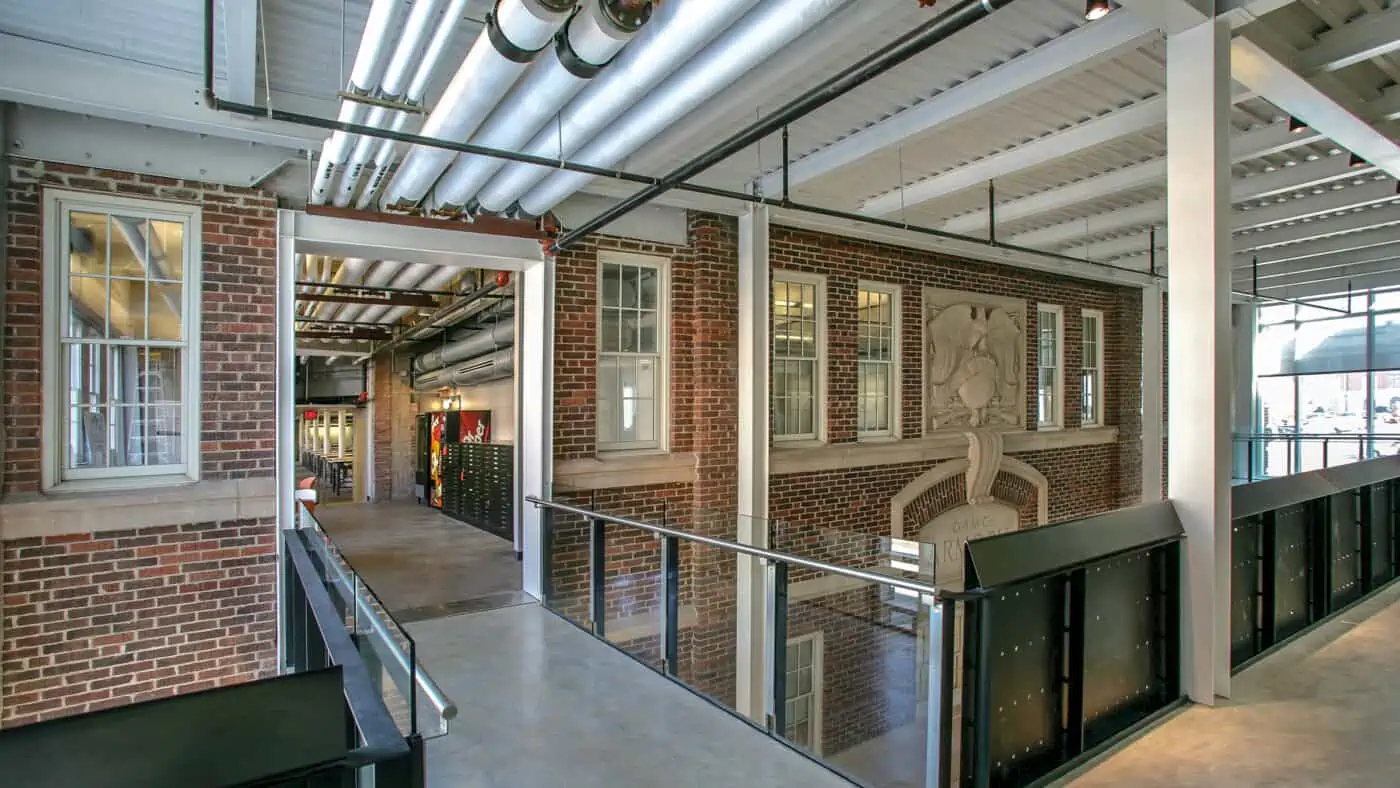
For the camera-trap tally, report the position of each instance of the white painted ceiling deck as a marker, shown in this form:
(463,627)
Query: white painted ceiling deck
(1032,141)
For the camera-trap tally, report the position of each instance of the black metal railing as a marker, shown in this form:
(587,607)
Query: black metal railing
(1271,455)
(1307,546)
(1071,635)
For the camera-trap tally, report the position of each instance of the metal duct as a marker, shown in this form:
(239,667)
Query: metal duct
(365,73)
(761,33)
(512,37)
(678,31)
(391,88)
(482,369)
(486,340)
(589,42)
(384,155)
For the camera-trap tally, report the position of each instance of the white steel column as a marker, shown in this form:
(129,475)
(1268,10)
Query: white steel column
(751,655)
(534,413)
(1153,386)
(285,387)
(1199,357)
(324,421)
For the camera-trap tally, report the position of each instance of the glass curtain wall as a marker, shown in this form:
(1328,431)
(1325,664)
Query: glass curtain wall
(1327,382)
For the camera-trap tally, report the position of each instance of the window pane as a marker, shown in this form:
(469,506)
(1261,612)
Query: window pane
(87,243)
(650,281)
(165,310)
(1386,342)
(130,249)
(168,250)
(87,307)
(612,284)
(609,331)
(646,337)
(1333,345)
(127,309)
(88,437)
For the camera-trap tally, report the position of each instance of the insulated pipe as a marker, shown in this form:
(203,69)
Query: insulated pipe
(384,154)
(512,37)
(364,78)
(417,276)
(437,281)
(482,369)
(396,74)
(351,271)
(486,340)
(589,42)
(756,37)
(678,31)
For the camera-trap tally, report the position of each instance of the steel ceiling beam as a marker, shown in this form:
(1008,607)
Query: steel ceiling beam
(1253,144)
(1060,57)
(1362,219)
(382,299)
(1327,287)
(1365,37)
(1319,247)
(1269,277)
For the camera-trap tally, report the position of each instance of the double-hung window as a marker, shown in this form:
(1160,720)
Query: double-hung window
(797,356)
(121,341)
(1050,363)
(1091,369)
(877,350)
(631,352)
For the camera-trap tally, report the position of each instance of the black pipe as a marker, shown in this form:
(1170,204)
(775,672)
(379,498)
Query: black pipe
(329,124)
(786,160)
(878,62)
(992,211)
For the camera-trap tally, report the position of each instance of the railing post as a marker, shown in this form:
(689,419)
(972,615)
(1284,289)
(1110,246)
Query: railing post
(670,603)
(1364,525)
(597,577)
(777,647)
(546,554)
(938,742)
(1326,453)
(1249,459)
(981,766)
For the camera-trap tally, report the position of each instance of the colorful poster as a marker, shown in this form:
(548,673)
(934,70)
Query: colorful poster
(476,426)
(437,421)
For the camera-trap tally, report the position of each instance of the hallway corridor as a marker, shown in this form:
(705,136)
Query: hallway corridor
(545,705)
(1325,710)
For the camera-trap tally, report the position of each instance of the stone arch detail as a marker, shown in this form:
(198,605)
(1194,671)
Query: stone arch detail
(986,475)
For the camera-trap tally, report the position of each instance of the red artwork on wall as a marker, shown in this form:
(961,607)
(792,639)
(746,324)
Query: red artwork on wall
(436,423)
(475,426)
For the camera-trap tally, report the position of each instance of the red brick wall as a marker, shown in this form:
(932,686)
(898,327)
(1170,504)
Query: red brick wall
(95,620)
(100,620)
(238,379)
(395,432)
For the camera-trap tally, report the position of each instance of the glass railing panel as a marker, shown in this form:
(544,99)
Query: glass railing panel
(566,557)
(707,611)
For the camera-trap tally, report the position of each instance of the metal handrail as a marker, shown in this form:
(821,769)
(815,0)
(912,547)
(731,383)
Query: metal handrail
(445,707)
(757,552)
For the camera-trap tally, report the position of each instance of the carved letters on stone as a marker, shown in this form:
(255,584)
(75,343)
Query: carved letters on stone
(974,360)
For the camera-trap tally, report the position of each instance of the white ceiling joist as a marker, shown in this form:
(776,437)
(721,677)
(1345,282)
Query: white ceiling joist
(1317,289)
(239,26)
(1287,180)
(1133,119)
(1318,247)
(1365,37)
(1343,199)
(1269,277)
(1363,219)
(1253,144)
(61,78)
(1072,52)
(1263,73)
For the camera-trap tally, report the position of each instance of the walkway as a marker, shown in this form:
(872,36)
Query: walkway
(422,563)
(1323,711)
(544,705)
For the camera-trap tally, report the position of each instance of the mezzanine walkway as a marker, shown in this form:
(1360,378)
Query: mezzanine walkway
(1323,711)
(544,705)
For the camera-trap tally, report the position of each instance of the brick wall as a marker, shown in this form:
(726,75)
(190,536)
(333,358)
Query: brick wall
(99,619)
(395,432)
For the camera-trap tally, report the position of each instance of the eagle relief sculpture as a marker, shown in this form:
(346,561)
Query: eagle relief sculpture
(974,365)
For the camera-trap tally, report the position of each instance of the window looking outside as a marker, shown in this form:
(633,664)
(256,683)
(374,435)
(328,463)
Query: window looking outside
(631,354)
(1091,369)
(796,357)
(122,345)
(876,348)
(1050,379)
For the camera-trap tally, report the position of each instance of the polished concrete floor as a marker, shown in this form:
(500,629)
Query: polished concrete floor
(1324,711)
(544,705)
(422,563)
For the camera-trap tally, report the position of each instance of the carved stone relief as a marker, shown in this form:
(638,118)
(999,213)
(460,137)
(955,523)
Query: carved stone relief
(974,360)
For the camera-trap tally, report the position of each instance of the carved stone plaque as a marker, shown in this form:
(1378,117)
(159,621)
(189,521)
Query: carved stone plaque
(974,361)
(950,530)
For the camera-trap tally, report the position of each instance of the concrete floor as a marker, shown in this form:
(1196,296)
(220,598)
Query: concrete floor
(1324,711)
(422,563)
(544,705)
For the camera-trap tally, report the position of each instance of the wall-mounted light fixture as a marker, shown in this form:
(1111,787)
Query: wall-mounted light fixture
(1096,9)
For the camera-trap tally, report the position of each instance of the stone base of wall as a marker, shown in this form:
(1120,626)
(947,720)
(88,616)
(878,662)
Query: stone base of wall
(95,620)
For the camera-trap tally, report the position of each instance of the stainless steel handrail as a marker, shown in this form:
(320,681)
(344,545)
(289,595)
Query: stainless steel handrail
(444,705)
(758,552)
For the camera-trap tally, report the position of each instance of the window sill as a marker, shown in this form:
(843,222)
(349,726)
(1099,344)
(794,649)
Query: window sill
(872,439)
(787,459)
(799,443)
(73,509)
(117,485)
(626,469)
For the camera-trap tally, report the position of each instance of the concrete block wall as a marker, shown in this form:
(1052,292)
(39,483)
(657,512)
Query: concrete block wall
(106,599)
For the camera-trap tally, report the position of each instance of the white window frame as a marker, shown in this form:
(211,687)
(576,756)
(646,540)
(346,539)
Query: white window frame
(818,678)
(1097,315)
(819,396)
(896,362)
(1057,416)
(57,204)
(663,352)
